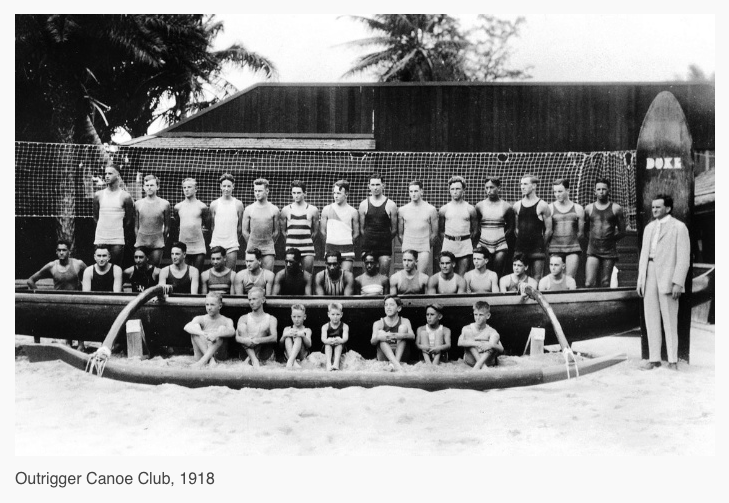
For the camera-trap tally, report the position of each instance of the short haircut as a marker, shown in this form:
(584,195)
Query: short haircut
(227,176)
(63,242)
(368,253)
(217,295)
(667,200)
(482,304)
(604,180)
(335,305)
(142,249)
(397,300)
(295,252)
(448,254)
(559,255)
(437,306)
(298,307)
(456,179)
(376,176)
(483,251)
(261,181)
(521,257)
(151,177)
(217,249)
(496,180)
(300,184)
(257,289)
(189,180)
(342,184)
(333,253)
(411,252)
(255,251)
(416,182)
(563,182)
(532,178)
(101,246)
(179,244)
(115,167)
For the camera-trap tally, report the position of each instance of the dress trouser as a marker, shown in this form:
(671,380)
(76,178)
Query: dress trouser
(658,305)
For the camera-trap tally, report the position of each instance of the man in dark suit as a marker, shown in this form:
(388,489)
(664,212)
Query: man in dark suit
(665,256)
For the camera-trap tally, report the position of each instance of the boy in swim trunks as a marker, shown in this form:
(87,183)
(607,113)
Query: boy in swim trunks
(371,282)
(208,332)
(446,281)
(334,336)
(496,217)
(378,223)
(604,227)
(480,341)
(417,227)
(300,225)
(296,339)
(339,225)
(533,226)
(433,339)
(152,221)
(458,225)
(257,331)
(260,224)
(193,218)
(226,216)
(391,333)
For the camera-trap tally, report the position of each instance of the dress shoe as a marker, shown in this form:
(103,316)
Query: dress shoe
(646,365)
(673,366)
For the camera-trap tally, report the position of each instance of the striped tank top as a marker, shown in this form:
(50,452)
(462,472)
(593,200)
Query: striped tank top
(298,232)
(492,226)
(219,283)
(333,287)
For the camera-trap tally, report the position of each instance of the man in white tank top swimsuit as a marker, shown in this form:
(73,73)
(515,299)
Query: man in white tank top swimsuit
(496,218)
(417,226)
(226,215)
(192,216)
(152,221)
(260,224)
(458,225)
(300,225)
(339,225)
(113,213)
(257,331)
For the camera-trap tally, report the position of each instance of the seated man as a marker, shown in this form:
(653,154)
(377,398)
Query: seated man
(257,331)
(103,276)
(333,281)
(182,277)
(446,281)
(433,339)
(371,282)
(481,342)
(296,339)
(208,332)
(391,333)
(292,279)
(557,279)
(409,280)
(481,279)
(516,281)
(142,274)
(253,274)
(66,272)
(219,278)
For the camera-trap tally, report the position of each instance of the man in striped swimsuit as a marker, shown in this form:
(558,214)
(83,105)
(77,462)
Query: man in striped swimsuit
(333,281)
(300,225)
(497,225)
(219,278)
(340,225)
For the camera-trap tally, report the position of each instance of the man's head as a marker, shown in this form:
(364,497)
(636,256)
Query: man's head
(492,188)
(292,260)
(298,191)
(340,191)
(253,259)
(141,255)
(217,258)
(661,206)
(393,305)
(256,298)
(409,260)
(151,185)
(63,249)
(433,314)
(333,262)
(481,313)
(557,263)
(519,264)
(298,314)
(528,184)
(415,189)
(189,187)
(371,265)
(602,189)
(111,174)
(456,187)
(213,303)
(260,189)
(561,189)
(101,255)
(334,311)
(178,252)
(227,184)
(376,185)
(481,257)
(447,262)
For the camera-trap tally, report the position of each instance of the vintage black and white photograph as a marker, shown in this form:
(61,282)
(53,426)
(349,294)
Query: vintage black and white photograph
(366,234)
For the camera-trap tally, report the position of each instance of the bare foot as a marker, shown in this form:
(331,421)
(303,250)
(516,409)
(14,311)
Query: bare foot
(213,362)
(329,367)
(297,365)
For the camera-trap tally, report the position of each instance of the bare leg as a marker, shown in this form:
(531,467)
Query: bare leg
(328,354)
(337,356)
(385,263)
(592,266)
(401,345)
(155,256)
(426,357)
(573,263)
(117,254)
(267,261)
(474,354)
(251,352)
(308,263)
(436,359)
(292,350)
(463,264)
(606,271)
(197,349)
(347,264)
(425,262)
(210,349)
(537,268)
(496,264)
(482,359)
(387,352)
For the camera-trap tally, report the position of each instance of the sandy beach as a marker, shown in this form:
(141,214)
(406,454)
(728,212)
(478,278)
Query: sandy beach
(618,411)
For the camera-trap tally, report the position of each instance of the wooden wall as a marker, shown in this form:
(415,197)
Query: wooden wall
(461,117)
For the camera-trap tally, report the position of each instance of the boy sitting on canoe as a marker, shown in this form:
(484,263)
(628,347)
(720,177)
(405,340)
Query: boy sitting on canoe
(334,336)
(296,339)
(257,331)
(391,333)
(209,331)
(433,339)
(481,342)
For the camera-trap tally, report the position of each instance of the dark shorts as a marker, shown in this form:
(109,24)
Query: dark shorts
(379,247)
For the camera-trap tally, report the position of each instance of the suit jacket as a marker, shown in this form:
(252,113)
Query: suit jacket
(672,257)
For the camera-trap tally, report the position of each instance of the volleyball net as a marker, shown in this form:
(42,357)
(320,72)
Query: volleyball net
(60,179)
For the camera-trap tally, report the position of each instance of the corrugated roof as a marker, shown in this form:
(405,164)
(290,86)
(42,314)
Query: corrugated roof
(705,188)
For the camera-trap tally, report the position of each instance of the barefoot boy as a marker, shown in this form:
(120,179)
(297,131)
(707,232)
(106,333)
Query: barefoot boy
(296,339)
(257,330)
(391,333)
(433,339)
(480,340)
(334,335)
(208,332)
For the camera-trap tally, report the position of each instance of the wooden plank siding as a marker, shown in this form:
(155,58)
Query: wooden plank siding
(460,117)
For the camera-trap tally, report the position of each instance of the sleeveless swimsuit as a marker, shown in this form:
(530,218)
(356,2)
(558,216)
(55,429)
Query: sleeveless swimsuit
(457,238)
(377,237)
(333,287)
(493,237)
(102,282)
(530,240)
(392,330)
(408,285)
(336,332)
(372,289)
(180,285)
(66,279)
(151,223)
(293,284)
(219,283)
(416,233)
(565,227)
(191,227)
(142,279)
(298,232)
(603,224)
(110,227)
(249,281)
(225,232)
(339,234)
(262,228)
(449,285)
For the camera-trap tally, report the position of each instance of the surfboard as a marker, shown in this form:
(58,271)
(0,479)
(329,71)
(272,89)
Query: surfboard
(664,165)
